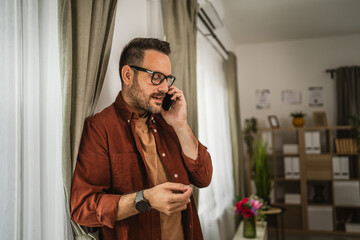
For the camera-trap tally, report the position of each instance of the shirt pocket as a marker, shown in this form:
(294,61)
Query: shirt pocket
(126,170)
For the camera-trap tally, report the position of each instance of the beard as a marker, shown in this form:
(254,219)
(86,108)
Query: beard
(139,101)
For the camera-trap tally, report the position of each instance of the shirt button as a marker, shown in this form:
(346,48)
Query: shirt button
(128,121)
(175,175)
(190,226)
(155,130)
(163,154)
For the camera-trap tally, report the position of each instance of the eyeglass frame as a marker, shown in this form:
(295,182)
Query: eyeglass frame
(153,73)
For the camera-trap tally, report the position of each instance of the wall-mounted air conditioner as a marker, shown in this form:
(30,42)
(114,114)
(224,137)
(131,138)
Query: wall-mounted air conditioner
(210,15)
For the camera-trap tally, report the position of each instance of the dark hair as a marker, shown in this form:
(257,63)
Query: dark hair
(133,52)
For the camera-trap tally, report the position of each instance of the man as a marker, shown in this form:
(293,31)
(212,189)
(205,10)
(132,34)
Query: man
(136,160)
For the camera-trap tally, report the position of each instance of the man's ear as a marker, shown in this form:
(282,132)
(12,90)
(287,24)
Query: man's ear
(127,75)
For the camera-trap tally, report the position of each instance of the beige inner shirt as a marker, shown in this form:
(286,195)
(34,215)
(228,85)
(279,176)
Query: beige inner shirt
(171,226)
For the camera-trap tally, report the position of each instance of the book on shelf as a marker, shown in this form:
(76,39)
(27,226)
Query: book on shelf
(345,146)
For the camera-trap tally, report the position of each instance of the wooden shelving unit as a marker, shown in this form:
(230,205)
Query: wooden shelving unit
(315,169)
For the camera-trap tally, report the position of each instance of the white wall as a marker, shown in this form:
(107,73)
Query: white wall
(294,65)
(225,38)
(130,22)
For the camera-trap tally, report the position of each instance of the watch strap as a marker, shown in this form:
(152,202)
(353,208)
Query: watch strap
(141,204)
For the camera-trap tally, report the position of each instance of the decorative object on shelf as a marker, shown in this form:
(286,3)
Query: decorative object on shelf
(320,119)
(250,132)
(298,119)
(273,121)
(355,125)
(319,193)
(262,172)
(249,208)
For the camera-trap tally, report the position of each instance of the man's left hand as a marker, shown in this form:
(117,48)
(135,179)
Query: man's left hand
(177,114)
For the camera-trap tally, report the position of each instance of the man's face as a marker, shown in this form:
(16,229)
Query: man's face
(143,95)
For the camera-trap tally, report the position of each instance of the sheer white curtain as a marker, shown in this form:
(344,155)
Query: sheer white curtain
(32,198)
(215,201)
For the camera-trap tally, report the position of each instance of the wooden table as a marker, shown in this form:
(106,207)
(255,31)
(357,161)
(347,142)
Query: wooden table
(261,233)
(274,211)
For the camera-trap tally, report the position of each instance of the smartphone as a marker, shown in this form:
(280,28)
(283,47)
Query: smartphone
(167,102)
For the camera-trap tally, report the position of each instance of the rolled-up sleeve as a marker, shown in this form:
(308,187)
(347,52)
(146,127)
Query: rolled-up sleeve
(199,169)
(90,204)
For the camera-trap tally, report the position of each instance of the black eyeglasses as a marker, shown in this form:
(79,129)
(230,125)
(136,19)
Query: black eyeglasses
(157,77)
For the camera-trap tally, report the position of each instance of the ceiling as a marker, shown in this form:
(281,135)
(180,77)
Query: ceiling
(251,21)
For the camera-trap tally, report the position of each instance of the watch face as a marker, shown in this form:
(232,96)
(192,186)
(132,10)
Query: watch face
(142,206)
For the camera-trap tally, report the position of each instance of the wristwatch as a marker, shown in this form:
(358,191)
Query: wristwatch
(141,204)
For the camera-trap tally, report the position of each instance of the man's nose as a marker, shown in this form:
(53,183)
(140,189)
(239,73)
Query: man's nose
(163,87)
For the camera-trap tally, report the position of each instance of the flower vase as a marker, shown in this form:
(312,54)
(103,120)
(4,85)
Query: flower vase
(249,230)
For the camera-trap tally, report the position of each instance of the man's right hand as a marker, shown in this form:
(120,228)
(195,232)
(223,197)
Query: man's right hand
(169,197)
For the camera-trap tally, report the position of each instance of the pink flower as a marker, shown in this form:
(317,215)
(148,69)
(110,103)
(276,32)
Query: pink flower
(255,206)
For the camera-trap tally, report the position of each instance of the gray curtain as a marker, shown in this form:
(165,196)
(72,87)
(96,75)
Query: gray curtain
(348,93)
(180,28)
(235,126)
(85,36)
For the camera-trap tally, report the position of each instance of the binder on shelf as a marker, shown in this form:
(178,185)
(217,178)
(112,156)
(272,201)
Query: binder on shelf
(336,167)
(291,168)
(344,167)
(316,142)
(295,167)
(340,167)
(312,142)
(288,167)
(308,142)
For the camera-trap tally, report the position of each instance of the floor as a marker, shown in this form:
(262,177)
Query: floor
(307,236)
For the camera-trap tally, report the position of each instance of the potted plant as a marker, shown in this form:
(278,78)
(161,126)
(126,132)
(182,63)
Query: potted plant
(250,132)
(262,172)
(298,119)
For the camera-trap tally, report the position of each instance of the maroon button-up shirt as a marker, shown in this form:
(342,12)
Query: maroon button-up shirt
(111,163)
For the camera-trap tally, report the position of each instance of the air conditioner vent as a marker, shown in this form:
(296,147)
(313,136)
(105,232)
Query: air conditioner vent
(209,13)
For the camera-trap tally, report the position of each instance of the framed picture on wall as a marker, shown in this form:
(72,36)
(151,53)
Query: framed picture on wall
(320,119)
(273,121)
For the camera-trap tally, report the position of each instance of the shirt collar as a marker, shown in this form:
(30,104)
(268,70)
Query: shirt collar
(126,112)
